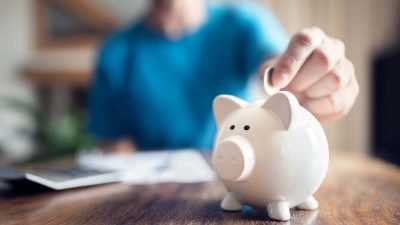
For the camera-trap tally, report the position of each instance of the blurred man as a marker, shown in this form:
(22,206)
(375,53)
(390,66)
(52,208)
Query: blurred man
(156,80)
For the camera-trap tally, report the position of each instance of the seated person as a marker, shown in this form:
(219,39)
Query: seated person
(156,79)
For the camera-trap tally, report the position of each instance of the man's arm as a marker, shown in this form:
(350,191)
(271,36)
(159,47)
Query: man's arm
(105,121)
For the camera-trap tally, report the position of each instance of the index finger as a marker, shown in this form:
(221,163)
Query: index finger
(300,47)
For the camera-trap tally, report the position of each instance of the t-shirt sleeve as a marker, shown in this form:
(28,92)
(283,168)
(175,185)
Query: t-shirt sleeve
(103,121)
(262,36)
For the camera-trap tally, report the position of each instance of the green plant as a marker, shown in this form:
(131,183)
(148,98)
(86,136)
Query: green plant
(63,135)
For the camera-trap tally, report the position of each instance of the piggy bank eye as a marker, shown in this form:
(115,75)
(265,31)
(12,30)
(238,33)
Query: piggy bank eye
(246,127)
(232,127)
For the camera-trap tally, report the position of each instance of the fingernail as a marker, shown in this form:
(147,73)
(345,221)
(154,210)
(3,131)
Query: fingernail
(281,79)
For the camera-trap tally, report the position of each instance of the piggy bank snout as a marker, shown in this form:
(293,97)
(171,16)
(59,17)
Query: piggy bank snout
(233,158)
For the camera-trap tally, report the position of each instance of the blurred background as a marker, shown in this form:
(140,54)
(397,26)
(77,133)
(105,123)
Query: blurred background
(48,49)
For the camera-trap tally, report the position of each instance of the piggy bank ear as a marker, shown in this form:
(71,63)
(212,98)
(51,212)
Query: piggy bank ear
(223,105)
(284,105)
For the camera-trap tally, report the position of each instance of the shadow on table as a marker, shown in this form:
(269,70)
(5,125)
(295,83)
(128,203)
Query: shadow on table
(258,214)
(21,188)
(175,211)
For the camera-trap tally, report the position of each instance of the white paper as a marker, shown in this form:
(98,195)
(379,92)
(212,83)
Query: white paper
(177,166)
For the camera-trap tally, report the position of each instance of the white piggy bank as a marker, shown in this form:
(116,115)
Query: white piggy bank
(272,153)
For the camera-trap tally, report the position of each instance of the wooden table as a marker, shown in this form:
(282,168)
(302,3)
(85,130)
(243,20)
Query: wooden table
(358,190)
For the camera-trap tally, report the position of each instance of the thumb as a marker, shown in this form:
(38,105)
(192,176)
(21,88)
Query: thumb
(277,79)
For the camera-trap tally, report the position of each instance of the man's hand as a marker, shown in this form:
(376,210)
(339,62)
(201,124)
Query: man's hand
(118,146)
(315,69)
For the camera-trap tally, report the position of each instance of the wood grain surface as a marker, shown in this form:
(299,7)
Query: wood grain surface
(357,190)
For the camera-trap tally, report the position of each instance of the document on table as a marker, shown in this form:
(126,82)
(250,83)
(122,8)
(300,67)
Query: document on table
(176,166)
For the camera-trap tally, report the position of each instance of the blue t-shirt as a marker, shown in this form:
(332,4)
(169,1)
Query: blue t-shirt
(159,91)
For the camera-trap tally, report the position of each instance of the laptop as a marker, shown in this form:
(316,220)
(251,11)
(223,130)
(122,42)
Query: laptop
(61,178)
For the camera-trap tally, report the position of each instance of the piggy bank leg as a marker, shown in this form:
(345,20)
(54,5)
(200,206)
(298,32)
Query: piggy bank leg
(279,210)
(309,204)
(231,203)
